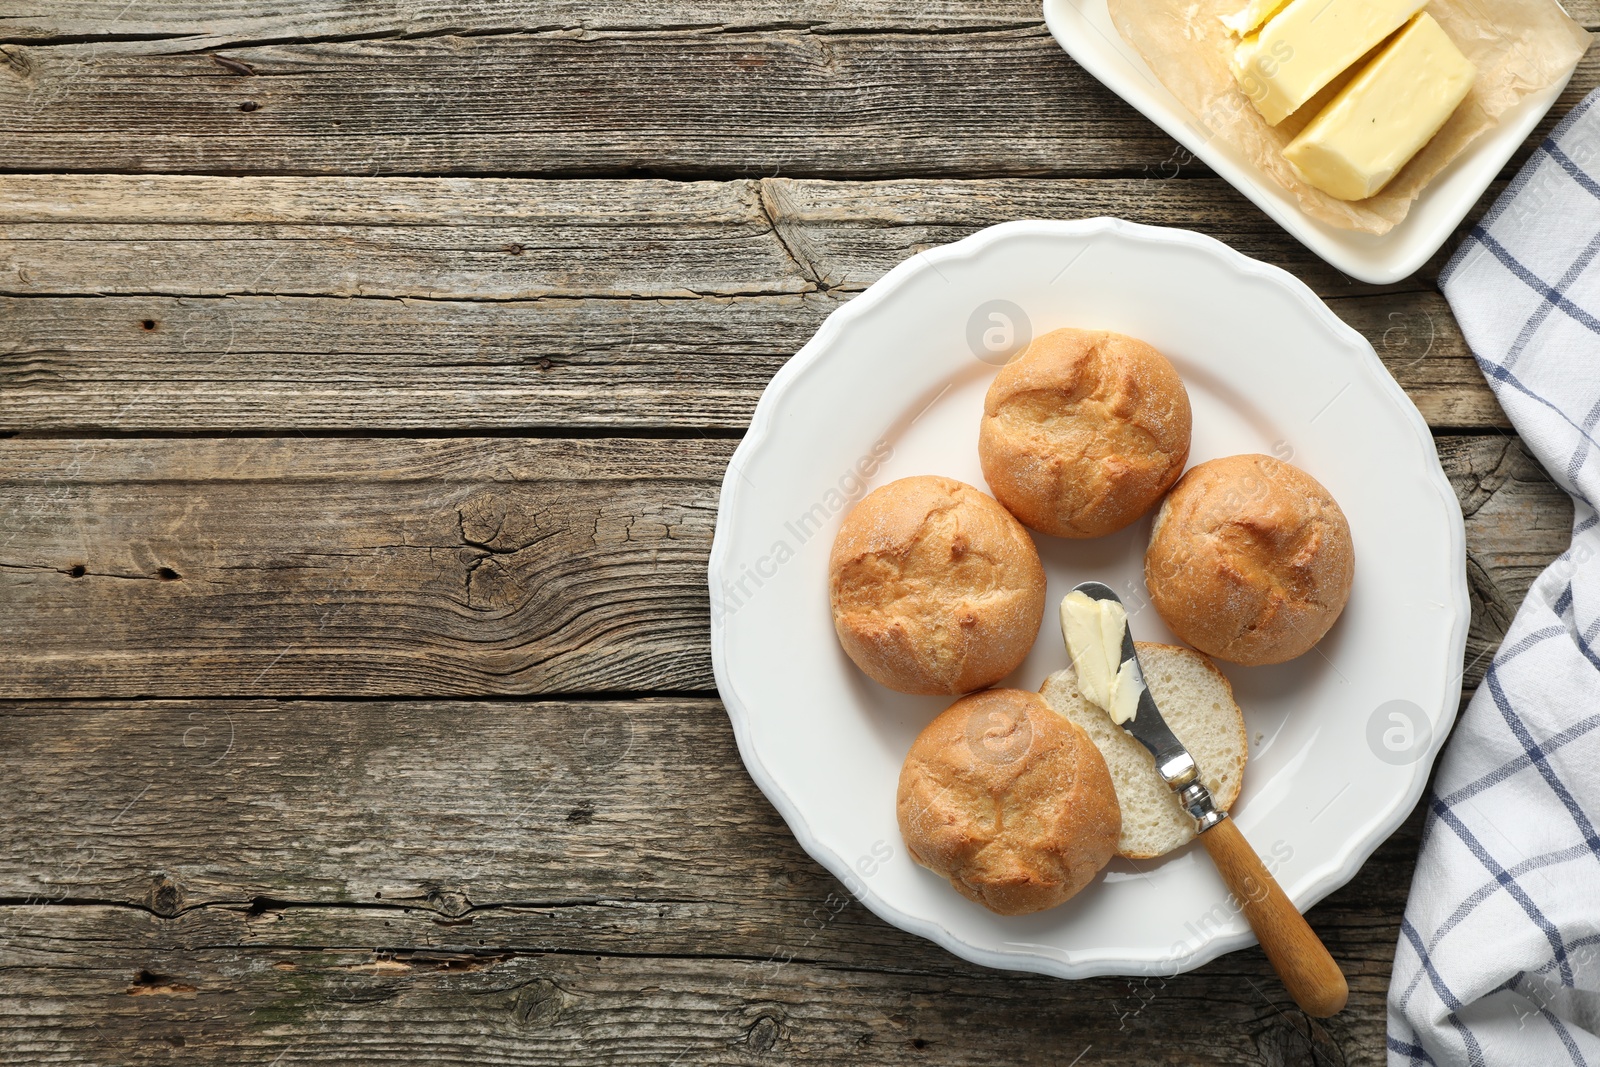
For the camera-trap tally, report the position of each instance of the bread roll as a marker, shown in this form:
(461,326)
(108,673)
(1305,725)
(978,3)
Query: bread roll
(935,587)
(1008,800)
(1250,560)
(1083,432)
(1197,703)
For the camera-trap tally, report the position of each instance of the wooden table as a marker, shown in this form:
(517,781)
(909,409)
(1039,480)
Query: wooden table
(367,374)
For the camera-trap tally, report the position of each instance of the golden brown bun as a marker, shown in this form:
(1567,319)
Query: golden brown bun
(1008,800)
(935,587)
(1250,560)
(1083,432)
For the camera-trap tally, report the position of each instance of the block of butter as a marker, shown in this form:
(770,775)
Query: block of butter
(1384,117)
(1254,13)
(1309,43)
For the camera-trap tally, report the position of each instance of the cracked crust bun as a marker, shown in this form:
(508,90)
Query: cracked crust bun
(1083,432)
(1197,702)
(1250,560)
(1009,801)
(936,589)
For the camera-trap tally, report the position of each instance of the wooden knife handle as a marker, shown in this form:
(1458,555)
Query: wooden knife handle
(1297,954)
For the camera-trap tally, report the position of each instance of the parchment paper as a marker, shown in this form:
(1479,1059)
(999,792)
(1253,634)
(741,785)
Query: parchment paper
(1518,46)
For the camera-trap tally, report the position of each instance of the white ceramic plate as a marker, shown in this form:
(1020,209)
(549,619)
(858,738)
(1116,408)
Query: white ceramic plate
(890,386)
(1084,29)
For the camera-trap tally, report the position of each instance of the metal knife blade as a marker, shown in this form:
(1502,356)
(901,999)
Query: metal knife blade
(1309,973)
(1173,761)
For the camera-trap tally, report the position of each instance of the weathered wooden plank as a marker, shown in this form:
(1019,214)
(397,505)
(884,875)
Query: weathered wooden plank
(538,815)
(120,985)
(225,22)
(1507,547)
(441,806)
(664,102)
(858,104)
(273,364)
(508,239)
(280,869)
(531,312)
(440,567)
(428,238)
(281,363)
(221,22)
(355,566)
(1419,341)
(415,203)
(847,233)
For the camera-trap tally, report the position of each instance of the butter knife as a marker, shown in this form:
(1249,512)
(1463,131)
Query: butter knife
(1308,972)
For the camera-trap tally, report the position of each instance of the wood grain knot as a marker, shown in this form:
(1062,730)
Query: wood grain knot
(16,60)
(449,902)
(764,1032)
(1294,1039)
(494,529)
(538,1004)
(165,897)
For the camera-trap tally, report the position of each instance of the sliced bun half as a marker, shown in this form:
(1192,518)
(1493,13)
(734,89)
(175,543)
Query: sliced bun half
(1197,702)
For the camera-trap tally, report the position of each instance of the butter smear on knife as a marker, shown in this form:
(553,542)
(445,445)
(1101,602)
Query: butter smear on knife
(1093,630)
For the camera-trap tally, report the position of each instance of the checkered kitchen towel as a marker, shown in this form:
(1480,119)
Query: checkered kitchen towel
(1499,955)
